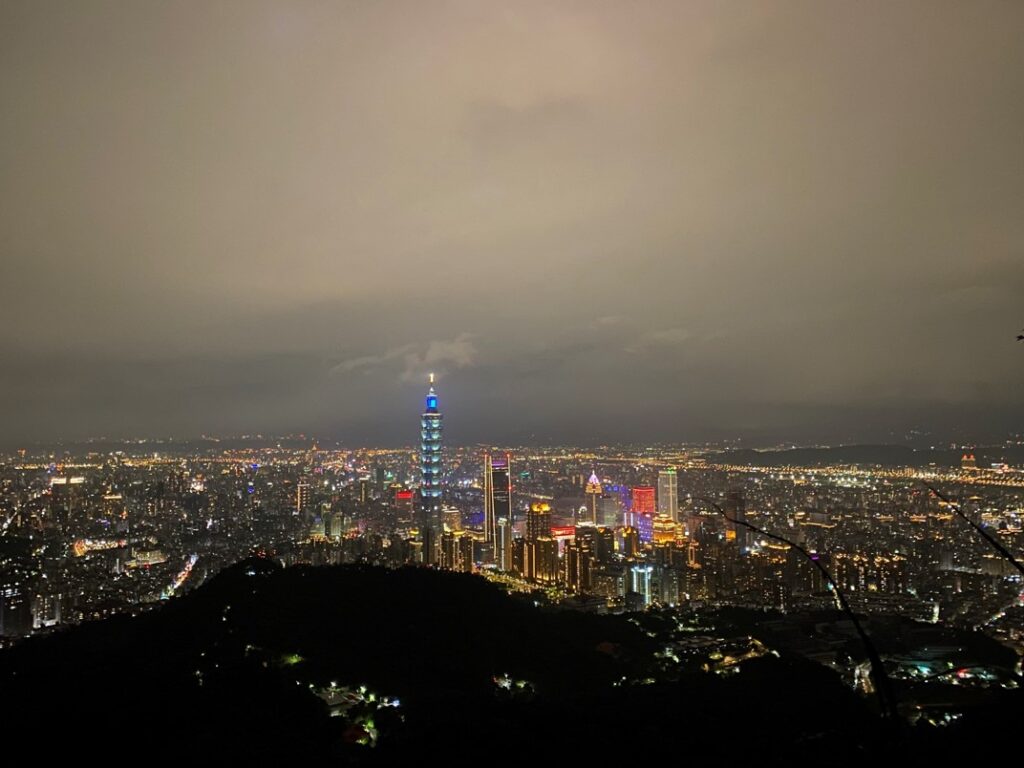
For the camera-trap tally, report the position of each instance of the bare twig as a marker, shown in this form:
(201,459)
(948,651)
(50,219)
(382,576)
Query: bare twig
(960,513)
(883,686)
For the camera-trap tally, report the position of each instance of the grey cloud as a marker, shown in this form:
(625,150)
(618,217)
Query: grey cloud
(370,362)
(439,357)
(663,337)
(704,218)
(417,361)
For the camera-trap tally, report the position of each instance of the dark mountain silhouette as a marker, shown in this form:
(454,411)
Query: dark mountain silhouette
(226,673)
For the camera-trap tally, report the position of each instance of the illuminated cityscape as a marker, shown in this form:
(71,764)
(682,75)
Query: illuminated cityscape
(94,533)
(534,383)
(89,534)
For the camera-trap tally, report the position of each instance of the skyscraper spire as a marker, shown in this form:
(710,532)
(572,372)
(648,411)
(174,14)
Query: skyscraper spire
(430,474)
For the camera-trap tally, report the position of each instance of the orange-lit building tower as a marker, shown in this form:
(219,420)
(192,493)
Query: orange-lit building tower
(541,548)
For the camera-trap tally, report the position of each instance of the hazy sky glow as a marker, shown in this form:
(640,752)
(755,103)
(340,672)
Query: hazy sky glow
(594,220)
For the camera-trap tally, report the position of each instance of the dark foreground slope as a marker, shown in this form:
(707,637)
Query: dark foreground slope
(232,671)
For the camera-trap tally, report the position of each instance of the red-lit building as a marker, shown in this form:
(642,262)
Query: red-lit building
(642,511)
(643,501)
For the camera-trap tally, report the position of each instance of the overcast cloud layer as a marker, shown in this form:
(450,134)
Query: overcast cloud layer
(595,221)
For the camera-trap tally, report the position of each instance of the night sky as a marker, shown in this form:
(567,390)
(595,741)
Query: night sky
(596,221)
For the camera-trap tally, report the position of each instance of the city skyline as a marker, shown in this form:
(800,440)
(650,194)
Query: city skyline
(701,563)
(795,221)
(512,382)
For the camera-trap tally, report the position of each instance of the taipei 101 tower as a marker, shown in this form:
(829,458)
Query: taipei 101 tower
(430,476)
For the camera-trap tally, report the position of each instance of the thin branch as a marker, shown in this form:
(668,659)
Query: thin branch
(883,686)
(960,513)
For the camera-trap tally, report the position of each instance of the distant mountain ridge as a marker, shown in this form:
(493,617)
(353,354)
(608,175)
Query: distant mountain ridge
(882,455)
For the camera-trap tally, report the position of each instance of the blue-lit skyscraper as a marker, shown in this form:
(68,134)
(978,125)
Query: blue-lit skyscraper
(430,474)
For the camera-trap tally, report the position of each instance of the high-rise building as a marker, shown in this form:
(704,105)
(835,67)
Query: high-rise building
(540,551)
(644,523)
(404,503)
(503,545)
(642,504)
(643,500)
(451,519)
(665,584)
(338,526)
(604,545)
(609,582)
(456,551)
(642,510)
(497,493)
(630,545)
(668,494)
(16,580)
(594,492)
(66,499)
(609,510)
(301,496)
(448,550)
(46,609)
(464,558)
(694,526)
(538,521)
(640,581)
(541,560)
(430,475)
(579,564)
(736,509)
(665,530)
(519,556)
